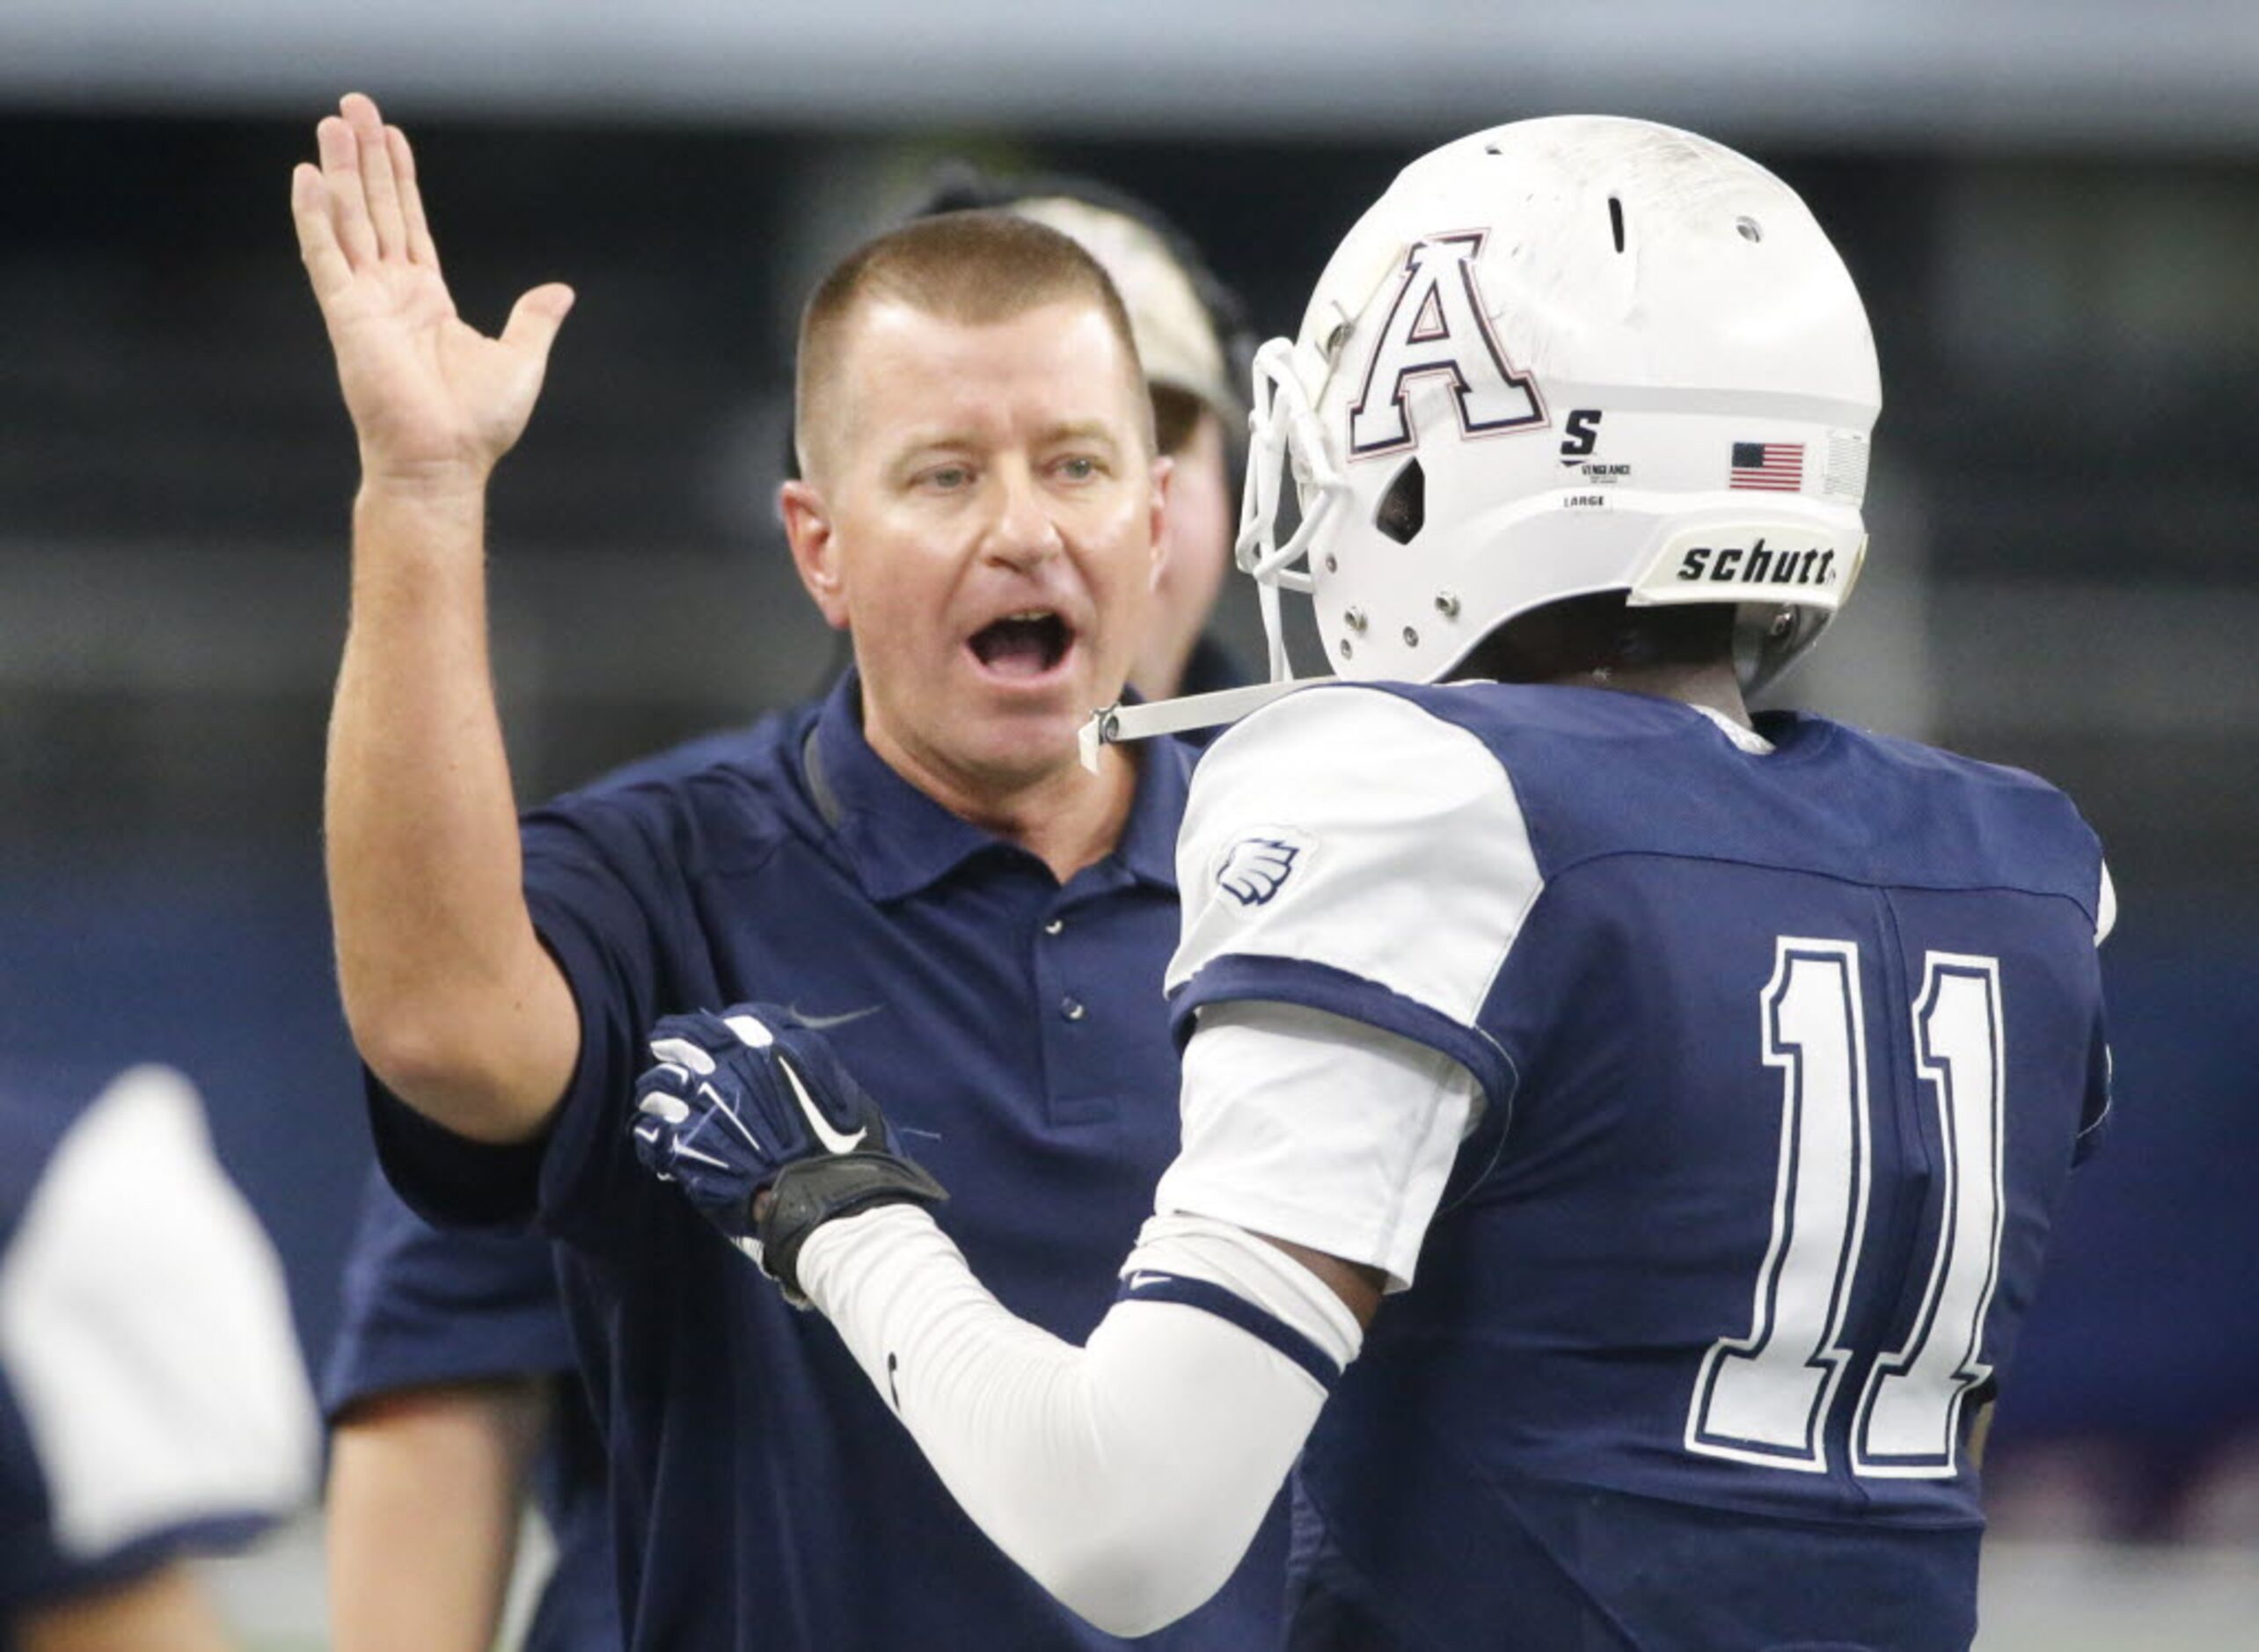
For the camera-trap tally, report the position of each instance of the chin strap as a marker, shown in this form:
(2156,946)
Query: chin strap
(1283,441)
(1116,723)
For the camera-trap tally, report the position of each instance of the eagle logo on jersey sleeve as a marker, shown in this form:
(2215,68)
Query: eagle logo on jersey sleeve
(1256,866)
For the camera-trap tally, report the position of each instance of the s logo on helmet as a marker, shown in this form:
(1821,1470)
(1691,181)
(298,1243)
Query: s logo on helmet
(1438,326)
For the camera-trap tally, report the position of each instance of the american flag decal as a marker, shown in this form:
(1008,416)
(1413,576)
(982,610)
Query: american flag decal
(1775,466)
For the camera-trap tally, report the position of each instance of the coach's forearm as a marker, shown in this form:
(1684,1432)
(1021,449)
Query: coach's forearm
(1128,1476)
(451,999)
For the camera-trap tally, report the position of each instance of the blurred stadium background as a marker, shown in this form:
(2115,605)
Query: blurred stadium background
(2052,208)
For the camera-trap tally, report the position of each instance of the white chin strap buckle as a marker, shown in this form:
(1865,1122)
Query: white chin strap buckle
(1118,723)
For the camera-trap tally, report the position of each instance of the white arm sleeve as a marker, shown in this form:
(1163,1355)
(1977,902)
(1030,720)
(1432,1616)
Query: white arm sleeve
(1305,1126)
(1127,1476)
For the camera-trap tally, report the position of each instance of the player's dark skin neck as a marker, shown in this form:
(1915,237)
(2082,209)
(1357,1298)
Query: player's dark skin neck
(1682,653)
(1714,686)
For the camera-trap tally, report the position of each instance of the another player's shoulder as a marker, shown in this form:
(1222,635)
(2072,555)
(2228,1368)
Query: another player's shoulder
(122,1193)
(44,1105)
(146,1346)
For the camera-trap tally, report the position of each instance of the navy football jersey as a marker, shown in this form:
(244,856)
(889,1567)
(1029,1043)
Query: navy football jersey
(1786,1055)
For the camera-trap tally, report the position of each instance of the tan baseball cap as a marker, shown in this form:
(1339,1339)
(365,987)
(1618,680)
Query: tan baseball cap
(1176,340)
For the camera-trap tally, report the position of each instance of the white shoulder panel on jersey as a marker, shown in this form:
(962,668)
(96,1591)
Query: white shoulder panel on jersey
(1347,827)
(2105,907)
(1307,1126)
(145,1329)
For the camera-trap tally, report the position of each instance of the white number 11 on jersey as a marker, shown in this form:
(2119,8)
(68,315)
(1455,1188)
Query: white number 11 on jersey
(1764,1397)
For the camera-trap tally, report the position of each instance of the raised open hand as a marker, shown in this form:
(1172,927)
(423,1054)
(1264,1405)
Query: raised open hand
(433,399)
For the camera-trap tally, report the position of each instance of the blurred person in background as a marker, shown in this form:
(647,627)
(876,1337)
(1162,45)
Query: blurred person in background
(1622,1133)
(152,1404)
(918,859)
(450,1397)
(450,1390)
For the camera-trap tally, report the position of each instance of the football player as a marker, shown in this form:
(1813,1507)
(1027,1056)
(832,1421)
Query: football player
(1621,1132)
(152,1404)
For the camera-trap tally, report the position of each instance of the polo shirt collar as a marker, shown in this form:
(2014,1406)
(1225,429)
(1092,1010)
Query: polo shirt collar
(899,841)
(1149,838)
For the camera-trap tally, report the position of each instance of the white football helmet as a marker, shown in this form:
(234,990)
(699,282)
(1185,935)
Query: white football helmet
(1559,357)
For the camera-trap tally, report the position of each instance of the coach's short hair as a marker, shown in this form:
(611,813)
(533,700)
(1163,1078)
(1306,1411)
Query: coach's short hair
(971,268)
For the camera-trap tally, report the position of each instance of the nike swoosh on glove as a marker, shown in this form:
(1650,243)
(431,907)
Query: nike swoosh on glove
(752,1101)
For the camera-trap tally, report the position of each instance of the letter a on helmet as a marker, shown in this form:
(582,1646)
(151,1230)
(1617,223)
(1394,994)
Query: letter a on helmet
(1436,326)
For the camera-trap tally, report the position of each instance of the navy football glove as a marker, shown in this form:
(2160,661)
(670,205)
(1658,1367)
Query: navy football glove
(752,1101)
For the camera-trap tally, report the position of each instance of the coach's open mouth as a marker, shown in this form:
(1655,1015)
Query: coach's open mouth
(1025,646)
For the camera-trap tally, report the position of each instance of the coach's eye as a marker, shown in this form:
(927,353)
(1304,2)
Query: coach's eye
(949,477)
(1079,467)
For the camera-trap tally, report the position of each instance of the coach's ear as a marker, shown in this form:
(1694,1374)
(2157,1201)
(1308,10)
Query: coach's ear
(815,550)
(1156,509)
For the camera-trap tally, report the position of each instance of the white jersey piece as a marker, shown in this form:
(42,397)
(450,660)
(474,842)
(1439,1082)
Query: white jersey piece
(1305,1126)
(145,1334)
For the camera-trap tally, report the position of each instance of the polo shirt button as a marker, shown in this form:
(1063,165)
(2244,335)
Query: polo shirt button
(1054,926)
(1073,1009)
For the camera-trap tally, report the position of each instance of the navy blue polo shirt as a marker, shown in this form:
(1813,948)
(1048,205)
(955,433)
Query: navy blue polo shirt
(425,1305)
(1015,1031)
